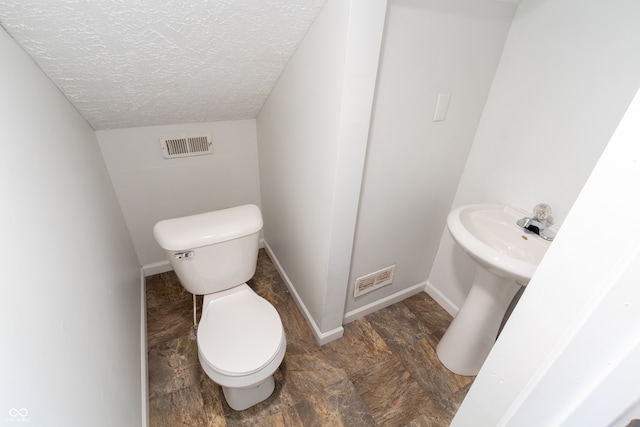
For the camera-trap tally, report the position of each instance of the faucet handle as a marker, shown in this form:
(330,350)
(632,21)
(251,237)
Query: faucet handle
(542,212)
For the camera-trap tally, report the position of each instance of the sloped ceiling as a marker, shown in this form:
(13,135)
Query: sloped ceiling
(128,63)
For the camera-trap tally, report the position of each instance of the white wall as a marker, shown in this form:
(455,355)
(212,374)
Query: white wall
(312,134)
(568,72)
(151,188)
(570,353)
(70,308)
(414,164)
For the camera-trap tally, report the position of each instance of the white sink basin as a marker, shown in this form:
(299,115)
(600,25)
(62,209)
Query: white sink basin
(506,257)
(489,235)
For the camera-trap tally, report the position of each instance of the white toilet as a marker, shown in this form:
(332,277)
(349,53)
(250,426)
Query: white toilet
(241,341)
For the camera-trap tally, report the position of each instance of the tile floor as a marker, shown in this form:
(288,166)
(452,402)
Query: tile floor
(384,370)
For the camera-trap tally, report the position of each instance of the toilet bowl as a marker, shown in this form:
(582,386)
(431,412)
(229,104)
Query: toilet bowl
(241,341)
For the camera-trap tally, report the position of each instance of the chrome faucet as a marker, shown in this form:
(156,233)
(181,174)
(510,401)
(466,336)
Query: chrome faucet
(539,223)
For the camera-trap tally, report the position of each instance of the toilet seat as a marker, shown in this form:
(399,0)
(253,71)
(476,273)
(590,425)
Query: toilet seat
(239,333)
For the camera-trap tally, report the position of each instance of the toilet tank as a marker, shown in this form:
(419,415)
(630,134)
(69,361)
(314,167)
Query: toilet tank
(213,251)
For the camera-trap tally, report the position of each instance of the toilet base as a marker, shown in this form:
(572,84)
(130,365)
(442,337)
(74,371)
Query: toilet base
(240,399)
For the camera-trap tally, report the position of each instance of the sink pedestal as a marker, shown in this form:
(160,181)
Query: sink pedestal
(470,337)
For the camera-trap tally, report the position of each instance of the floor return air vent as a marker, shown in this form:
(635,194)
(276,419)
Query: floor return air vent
(373,281)
(186,145)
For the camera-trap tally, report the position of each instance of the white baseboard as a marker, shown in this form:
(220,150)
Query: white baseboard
(321,337)
(352,315)
(441,299)
(156,268)
(144,366)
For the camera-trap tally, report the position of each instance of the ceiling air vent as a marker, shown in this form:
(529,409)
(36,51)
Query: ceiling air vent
(186,145)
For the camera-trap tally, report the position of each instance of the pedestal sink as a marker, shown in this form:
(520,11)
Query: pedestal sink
(506,257)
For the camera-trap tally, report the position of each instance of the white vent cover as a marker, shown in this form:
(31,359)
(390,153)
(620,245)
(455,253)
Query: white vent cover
(186,145)
(373,281)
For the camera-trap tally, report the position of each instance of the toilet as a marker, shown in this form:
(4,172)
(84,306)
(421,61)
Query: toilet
(241,341)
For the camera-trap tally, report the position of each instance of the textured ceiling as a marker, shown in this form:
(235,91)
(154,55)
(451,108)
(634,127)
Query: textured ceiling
(127,63)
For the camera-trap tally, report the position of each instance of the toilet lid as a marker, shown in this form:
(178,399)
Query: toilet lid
(240,333)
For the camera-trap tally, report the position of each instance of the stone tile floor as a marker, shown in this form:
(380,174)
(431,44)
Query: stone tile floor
(384,370)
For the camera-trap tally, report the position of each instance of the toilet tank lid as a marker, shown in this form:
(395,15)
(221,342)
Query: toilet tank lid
(209,228)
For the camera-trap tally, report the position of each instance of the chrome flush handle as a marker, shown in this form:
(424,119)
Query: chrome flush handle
(181,255)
